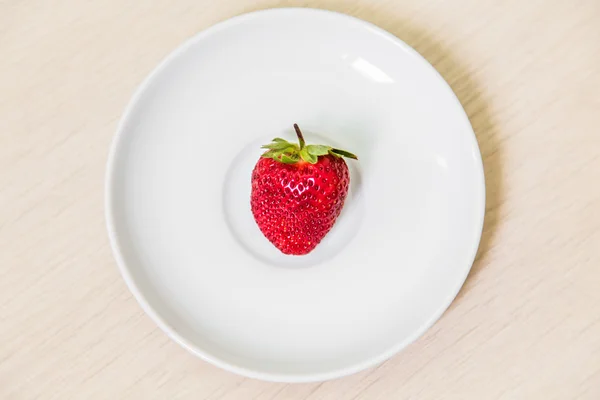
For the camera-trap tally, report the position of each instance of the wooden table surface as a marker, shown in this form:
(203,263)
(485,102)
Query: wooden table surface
(526,324)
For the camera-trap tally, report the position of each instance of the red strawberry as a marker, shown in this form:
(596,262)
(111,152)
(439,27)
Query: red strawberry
(298,192)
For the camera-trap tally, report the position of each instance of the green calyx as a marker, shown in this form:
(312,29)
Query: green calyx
(290,153)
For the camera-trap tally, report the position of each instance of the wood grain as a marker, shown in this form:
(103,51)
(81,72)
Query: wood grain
(525,326)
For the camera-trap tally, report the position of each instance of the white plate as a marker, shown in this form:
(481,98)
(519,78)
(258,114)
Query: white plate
(178,184)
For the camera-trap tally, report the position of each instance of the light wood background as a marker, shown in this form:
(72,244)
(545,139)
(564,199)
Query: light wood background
(525,326)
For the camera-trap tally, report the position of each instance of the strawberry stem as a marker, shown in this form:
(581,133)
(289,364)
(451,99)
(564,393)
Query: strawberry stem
(300,137)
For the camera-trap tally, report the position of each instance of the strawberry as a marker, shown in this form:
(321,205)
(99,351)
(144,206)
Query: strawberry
(298,192)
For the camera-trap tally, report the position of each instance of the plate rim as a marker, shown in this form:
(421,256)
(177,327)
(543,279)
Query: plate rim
(111,173)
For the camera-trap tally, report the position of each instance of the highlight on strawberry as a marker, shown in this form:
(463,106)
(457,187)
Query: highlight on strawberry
(298,192)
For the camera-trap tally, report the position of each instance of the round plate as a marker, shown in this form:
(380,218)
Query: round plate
(178,195)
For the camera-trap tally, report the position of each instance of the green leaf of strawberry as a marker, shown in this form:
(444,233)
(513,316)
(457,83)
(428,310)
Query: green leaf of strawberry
(278,145)
(344,153)
(289,159)
(308,157)
(318,150)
